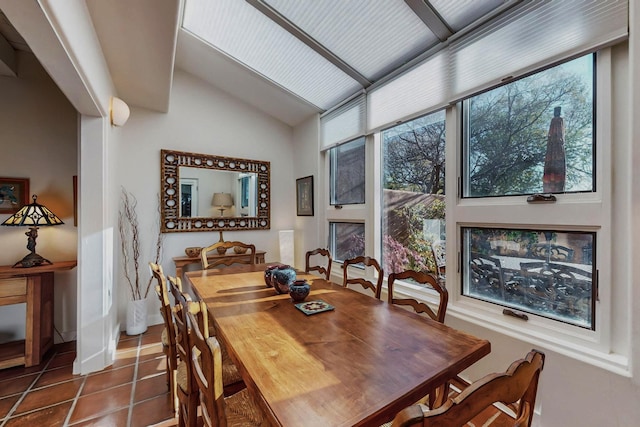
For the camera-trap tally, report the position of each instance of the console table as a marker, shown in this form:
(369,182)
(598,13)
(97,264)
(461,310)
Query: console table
(181,261)
(33,286)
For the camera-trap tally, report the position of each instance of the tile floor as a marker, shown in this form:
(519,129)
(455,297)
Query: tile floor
(132,392)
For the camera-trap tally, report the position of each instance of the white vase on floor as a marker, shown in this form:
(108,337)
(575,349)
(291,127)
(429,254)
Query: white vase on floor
(136,316)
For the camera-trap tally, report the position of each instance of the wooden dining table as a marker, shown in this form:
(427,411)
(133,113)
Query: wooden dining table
(356,365)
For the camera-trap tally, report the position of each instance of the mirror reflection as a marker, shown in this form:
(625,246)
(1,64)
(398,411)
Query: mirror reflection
(203,192)
(213,193)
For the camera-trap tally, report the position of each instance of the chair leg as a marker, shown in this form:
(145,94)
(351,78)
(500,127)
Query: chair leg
(173,389)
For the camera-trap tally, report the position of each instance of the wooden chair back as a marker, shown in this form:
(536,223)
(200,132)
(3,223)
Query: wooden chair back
(319,268)
(206,359)
(368,262)
(518,385)
(187,390)
(420,307)
(165,306)
(169,333)
(214,262)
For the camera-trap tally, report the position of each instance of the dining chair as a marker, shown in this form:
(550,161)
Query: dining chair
(366,284)
(238,409)
(321,269)
(186,389)
(207,264)
(419,307)
(168,333)
(517,386)
(437,395)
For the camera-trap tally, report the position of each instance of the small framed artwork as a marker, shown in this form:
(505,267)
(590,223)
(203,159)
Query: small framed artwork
(14,194)
(304,196)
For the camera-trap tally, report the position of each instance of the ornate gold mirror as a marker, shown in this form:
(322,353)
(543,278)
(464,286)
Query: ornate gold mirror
(201,192)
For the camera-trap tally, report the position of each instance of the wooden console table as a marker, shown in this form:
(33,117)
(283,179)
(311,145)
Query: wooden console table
(181,261)
(33,286)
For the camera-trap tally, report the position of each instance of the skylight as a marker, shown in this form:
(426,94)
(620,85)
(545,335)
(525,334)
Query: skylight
(324,51)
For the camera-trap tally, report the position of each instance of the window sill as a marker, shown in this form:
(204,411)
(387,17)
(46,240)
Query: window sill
(612,362)
(495,321)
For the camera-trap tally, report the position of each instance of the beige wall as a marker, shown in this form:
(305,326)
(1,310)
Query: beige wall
(39,141)
(202,119)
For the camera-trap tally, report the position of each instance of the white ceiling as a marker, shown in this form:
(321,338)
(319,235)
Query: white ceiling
(341,47)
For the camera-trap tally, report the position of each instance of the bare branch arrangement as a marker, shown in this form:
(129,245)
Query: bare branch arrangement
(130,245)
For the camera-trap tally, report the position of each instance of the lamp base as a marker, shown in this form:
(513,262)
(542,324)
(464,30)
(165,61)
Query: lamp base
(31,260)
(221,250)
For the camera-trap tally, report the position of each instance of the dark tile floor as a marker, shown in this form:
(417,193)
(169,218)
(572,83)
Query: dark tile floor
(132,392)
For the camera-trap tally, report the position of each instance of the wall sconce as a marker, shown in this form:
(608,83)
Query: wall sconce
(118,111)
(33,215)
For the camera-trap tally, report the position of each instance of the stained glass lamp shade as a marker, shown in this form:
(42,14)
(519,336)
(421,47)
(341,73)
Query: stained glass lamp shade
(33,215)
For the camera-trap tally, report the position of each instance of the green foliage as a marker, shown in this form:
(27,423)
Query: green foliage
(508,129)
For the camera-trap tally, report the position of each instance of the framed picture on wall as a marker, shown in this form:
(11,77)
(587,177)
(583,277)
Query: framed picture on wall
(304,196)
(14,194)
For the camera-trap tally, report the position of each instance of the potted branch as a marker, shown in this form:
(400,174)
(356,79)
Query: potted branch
(130,248)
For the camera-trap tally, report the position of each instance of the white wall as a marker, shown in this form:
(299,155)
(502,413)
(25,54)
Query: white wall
(309,231)
(203,119)
(39,141)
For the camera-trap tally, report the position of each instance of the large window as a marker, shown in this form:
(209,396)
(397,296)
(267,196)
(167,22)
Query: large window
(347,173)
(534,135)
(531,214)
(413,176)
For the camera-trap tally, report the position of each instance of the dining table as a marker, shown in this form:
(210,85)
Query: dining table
(357,364)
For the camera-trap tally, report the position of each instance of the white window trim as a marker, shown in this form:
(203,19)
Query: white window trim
(576,213)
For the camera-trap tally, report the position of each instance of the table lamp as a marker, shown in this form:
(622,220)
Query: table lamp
(32,216)
(222,201)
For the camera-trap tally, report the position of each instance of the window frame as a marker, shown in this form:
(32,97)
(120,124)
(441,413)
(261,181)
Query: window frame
(589,212)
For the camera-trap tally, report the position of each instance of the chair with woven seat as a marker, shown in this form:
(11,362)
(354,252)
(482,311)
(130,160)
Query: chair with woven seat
(186,389)
(517,386)
(321,269)
(366,284)
(436,396)
(224,246)
(168,333)
(239,409)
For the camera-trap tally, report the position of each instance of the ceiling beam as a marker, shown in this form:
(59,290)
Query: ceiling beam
(431,18)
(305,38)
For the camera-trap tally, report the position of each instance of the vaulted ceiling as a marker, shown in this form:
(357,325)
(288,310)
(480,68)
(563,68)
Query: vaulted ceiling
(287,58)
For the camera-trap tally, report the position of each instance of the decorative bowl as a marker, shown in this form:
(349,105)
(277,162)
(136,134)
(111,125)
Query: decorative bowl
(299,290)
(193,251)
(239,249)
(282,278)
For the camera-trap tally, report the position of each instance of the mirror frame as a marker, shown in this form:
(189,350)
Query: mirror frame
(171,222)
